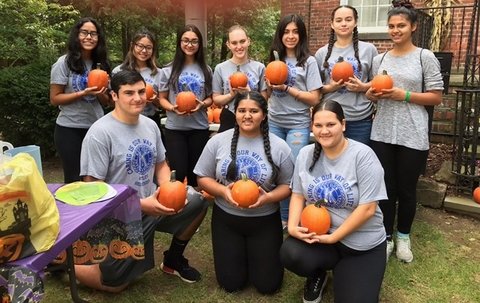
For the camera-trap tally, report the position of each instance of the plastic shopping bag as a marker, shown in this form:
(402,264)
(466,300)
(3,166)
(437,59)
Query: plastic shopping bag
(29,219)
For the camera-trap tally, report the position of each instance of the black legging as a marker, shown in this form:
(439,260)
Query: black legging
(358,275)
(246,249)
(68,142)
(402,166)
(184,147)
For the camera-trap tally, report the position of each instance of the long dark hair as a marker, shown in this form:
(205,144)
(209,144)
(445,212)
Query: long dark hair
(130,61)
(74,51)
(179,59)
(334,107)
(332,39)
(263,104)
(301,50)
(403,7)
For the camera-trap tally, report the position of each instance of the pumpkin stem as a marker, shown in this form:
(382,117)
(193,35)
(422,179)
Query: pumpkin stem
(238,68)
(185,87)
(244,176)
(322,202)
(384,72)
(99,65)
(173,177)
(276,55)
(340,59)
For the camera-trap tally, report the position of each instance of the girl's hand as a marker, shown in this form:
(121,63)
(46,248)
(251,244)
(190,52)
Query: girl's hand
(200,105)
(356,85)
(336,85)
(279,87)
(227,195)
(325,239)
(262,198)
(373,96)
(153,98)
(301,233)
(94,91)
(397,94)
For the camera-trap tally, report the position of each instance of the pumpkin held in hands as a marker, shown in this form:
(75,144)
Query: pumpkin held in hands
(97,77)
(276,71)
(173,193)
(186,101)
(316,218)
(149,92)
(382,81)
(245,192)
(342,70)
(238,79)
(476,195)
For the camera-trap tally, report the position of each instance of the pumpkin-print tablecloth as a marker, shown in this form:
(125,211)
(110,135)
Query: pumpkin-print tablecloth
(111,227)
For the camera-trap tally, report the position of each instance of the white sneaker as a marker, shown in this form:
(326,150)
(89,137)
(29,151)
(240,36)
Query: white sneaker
(404,252)
(390,246)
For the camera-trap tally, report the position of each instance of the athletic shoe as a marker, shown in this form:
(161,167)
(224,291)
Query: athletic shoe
(180,268)
(390,246)
(404,252)
(313,290)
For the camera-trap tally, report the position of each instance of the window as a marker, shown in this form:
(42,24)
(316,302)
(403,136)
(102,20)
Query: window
(372,14)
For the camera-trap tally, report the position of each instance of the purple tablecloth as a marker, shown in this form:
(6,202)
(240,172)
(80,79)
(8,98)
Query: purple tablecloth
(23,277)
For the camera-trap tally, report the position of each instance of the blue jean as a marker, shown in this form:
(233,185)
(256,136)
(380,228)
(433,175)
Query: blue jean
(359,130)
(296,139)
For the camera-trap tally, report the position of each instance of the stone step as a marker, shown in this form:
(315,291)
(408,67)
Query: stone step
(462,205)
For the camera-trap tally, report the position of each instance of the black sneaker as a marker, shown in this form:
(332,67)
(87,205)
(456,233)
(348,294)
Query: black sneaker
(180,268)
(313,290)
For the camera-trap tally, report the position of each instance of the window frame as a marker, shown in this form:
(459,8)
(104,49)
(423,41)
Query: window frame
(380,29)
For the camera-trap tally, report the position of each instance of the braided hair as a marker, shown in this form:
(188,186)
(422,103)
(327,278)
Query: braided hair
(403,7)
(262,103)
(334,107)
(331,39)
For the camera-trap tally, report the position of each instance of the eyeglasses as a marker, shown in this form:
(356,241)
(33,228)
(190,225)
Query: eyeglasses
(84,34)
(140,47)
(187,42)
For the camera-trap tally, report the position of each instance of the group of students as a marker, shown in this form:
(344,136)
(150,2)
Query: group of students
(368,152)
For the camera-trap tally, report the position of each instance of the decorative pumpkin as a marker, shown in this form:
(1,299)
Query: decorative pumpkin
(61,258)
(210,115)
(119,249)
(172,194)
(11,247)
(476,195)
(216,115)
(97,77)
(186,101)
(382,81)
(276,71)
(138,252)
(81,251)
(99,253)
(342,70)
(245,192)
(149,92)
(316,218)
(238,79)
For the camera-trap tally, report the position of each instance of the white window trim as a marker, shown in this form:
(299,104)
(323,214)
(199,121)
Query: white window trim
(368,29)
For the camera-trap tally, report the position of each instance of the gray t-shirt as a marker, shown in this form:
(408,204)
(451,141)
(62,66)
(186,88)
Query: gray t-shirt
(254,70)
(403,123)
(85,110)
(192,77)
(120,153)
(355,105)
(283,109)
(353,178)
(252,160)
(154,80)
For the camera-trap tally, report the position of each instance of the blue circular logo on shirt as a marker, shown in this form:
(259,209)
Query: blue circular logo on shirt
(248,166)
(333,192)
(142,159)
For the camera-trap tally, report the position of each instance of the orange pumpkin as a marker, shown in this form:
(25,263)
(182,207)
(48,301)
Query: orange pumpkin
(216,115)
(97,77)
(138,252)
(210,115)
(149,92)
(81,251)
(11,247)
(119,249)
(276,71)
(99,253)
(476,195)
(61,258)
(342,70)
(238,79)
(245,192)
(316,218)
(186,101)
(172,194)
(382,81)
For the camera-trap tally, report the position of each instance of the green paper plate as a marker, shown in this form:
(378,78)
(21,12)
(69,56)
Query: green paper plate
(81,193)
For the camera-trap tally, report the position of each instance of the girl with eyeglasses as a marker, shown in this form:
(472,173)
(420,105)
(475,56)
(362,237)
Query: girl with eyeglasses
(186,133)
(141,57)
(223,94)
(79,105)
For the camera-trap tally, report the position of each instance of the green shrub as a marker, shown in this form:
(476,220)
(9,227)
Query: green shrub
(26,115)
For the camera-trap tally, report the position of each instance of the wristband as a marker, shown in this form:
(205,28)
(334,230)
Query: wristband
(407,97)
